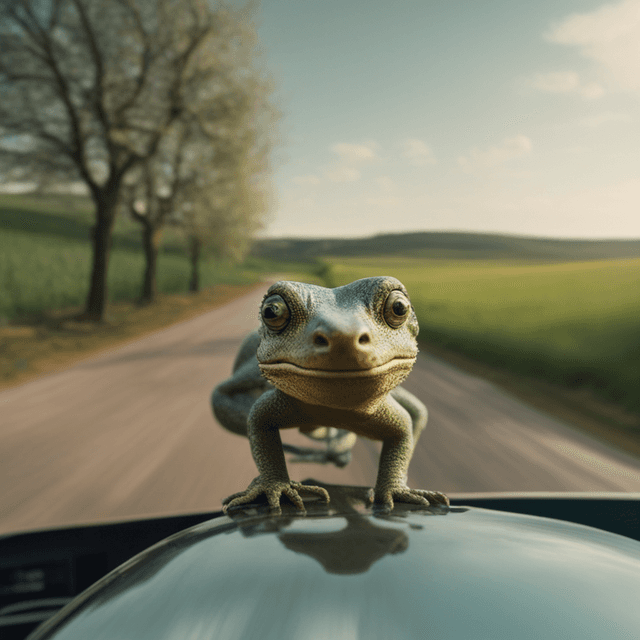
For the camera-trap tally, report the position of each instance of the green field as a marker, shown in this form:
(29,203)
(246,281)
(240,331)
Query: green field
(37,274)
(45,258)
(575,323)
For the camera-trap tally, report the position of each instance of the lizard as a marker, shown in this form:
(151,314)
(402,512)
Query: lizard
(329,358)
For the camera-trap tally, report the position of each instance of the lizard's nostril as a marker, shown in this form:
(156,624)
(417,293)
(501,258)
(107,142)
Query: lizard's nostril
(320,340)
(365,338)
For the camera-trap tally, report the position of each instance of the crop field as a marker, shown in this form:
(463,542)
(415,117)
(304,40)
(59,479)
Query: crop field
(575,323)
(45,259)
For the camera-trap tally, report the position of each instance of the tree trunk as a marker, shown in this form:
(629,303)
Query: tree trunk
(151,241)
(195,245)
(101,240)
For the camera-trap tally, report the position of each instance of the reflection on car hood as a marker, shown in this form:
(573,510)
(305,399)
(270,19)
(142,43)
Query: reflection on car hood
(344,572)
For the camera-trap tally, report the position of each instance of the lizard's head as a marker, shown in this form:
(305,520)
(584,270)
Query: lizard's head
(337,347)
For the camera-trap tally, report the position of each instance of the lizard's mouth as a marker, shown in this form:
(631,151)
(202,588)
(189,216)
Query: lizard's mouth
(290,367)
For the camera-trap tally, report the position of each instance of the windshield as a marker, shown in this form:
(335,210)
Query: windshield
(483,154)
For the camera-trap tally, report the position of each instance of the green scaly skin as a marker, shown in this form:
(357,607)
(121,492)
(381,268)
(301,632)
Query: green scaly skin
(336,358)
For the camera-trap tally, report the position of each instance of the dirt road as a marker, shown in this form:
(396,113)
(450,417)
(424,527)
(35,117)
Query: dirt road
(130,433)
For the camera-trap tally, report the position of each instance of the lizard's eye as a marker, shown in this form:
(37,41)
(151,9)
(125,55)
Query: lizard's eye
(396,309)
(275,313)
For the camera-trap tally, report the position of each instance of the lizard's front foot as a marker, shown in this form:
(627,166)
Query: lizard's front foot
(384,499)
(273,489)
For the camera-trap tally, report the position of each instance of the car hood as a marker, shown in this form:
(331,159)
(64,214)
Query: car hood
(344,572)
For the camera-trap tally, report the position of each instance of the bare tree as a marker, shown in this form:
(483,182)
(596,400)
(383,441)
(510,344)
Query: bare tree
(205,178)
(230,201)
(149,194)
(150,206)
(227,201)
(211,173)
(91,87)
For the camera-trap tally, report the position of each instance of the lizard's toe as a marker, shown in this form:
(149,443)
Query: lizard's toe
(435,497)
(238,499)
(411,496)
(294,496)
(273,490)
(384,502)
(312,489)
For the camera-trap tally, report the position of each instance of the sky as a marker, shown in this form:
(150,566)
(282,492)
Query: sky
(459,115)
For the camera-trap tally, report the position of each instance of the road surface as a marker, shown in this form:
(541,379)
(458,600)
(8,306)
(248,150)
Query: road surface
(130,433)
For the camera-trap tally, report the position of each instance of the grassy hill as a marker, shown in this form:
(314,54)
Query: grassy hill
(449,245)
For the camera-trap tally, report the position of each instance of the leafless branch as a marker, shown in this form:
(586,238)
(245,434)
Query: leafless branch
(98,66)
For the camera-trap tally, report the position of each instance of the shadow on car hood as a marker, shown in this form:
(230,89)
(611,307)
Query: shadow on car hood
(344,572)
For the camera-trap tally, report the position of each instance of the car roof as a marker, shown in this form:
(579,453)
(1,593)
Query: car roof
(344,570)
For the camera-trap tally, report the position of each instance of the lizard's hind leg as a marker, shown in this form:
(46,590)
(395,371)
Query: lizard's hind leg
(339,443)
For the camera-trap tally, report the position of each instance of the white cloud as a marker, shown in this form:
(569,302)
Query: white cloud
(354,153)
(350,156)
(417,152)
(558,82)
(342,174)
(567,82)
(509,149)
(610,36)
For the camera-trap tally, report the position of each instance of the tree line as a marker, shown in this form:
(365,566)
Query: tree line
(160,108)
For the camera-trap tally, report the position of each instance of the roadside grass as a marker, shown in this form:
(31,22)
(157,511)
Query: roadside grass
(43,333)
(56,340)
(574,324)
